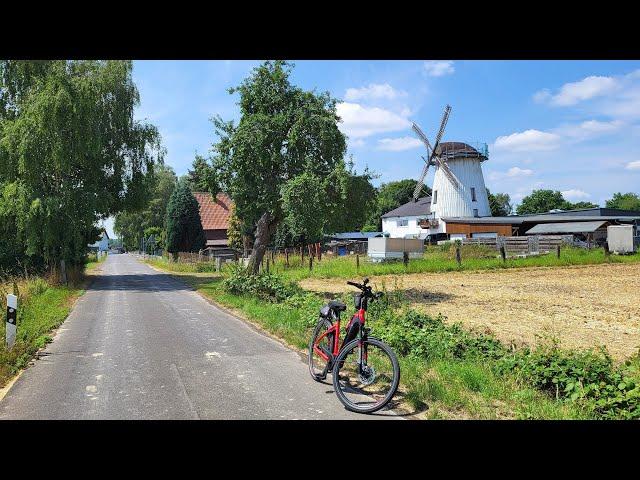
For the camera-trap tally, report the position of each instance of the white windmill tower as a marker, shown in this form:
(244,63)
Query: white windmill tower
(458,186)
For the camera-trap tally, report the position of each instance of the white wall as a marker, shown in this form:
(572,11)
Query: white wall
(390,225)
(457,202)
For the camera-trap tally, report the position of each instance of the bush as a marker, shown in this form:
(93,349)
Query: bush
(267,286)
(589,377)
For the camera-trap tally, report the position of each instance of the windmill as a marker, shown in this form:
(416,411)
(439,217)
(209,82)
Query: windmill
(433,155)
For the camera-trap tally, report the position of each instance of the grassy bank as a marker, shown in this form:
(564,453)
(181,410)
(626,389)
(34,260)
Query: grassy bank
(447,372)
(42,307)
(435,260)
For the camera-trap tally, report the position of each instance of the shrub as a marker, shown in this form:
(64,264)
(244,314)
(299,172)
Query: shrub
(589,377)
(267,286)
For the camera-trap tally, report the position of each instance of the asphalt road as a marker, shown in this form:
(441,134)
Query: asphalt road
(140,344)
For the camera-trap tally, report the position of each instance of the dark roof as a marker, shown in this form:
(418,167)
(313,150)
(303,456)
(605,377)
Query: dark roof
(214,214)
(542,218)
(452,150)
(612,212)
(567,227)
(410,209)
(355,235)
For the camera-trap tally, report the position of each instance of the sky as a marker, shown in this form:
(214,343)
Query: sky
(572,126)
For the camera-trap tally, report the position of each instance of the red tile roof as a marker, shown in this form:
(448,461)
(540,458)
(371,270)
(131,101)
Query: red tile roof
(214,214)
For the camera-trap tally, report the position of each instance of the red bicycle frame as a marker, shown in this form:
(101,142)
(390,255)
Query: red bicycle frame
(335,329)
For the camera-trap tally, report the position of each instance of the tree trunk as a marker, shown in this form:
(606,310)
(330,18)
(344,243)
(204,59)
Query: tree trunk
(265,228)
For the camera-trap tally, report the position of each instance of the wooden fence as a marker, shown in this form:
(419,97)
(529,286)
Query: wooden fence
(525,245)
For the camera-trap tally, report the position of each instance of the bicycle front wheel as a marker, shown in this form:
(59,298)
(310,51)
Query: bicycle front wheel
(366,375)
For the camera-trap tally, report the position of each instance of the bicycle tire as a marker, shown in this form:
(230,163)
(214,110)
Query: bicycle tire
(322,325)
(339,364)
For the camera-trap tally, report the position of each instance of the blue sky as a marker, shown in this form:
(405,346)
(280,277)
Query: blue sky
(572,126)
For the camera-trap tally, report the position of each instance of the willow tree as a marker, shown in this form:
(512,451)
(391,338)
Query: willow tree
(71,153)
(283,131)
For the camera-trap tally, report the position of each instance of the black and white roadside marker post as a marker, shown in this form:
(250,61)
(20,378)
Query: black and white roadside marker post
(12,316)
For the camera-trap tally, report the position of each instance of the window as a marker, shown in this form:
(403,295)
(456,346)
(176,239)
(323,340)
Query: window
(403,222)
(473,194)
(435,197)
(475,212)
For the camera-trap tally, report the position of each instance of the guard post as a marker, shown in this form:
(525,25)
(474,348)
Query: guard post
(12,316)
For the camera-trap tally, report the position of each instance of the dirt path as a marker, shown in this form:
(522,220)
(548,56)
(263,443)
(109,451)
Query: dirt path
(583,306)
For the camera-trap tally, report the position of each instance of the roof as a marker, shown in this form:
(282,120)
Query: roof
(453,150)
(570,227)
(411,209)
(214,214)
(543,218)
(355,235)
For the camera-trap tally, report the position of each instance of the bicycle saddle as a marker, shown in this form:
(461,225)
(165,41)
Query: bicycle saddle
(335,305)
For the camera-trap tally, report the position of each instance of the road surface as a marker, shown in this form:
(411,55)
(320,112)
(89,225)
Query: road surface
(140,344)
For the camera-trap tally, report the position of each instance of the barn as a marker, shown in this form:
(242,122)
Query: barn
(214,215)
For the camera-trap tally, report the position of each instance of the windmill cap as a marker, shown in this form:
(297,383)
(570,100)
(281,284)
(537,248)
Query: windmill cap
(454,150)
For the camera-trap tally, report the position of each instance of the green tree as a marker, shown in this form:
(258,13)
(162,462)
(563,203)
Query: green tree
(500,204)
(624,201)
(184,226)
(71,154)
(575,206)
(541,201)
(129,225)
(389,197)
(303,202)
(283,132)
(201,177)
(156,234)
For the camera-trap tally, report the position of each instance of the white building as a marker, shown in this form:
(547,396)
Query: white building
(102,245)
(404,221)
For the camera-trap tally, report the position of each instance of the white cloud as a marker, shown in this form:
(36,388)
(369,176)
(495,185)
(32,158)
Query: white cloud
(359,121)
(575,92)
(589,129)
(398,144)
(438,68)
(633,165)
(574,194)
(374,92)
(513,172)
(529,140)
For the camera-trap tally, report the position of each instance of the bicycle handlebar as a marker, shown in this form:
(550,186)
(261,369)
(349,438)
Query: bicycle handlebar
(366,290)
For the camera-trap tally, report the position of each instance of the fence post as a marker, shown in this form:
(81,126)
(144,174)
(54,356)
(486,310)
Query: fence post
(558,251)
(357,262)
(503,253)
(606,249)
(405,258)
(218,264)
(12,318)
(286,256)
(310,263)
(319,252)
(458,256)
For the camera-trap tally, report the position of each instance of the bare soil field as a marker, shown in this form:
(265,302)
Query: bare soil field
(582,306)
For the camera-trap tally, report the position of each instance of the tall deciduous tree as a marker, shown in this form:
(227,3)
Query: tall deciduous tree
(390,196)
(70,154)
(541,201)
(184,226)
(624,201)
(129,225)
(500,204)
(283,131)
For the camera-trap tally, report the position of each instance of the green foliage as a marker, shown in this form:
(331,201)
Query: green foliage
(267,286)
(130,225)
(202,177)
(283,132)
(184,227)
(589,377)
(541,201)
(500,204)
(72,120)
(236,230)
(624,201)
(577,205)
(303,204)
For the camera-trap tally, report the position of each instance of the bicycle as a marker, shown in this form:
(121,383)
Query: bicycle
(365,370)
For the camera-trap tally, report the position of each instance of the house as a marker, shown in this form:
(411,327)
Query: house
(214,215)
(102,244)
(405,221)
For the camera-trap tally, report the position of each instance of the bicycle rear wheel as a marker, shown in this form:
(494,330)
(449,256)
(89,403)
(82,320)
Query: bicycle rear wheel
(366,386)
(318,366)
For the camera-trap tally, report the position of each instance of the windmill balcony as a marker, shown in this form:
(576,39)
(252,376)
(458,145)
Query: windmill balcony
(428,223)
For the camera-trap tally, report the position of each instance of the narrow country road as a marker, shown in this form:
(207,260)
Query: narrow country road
(140,344)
